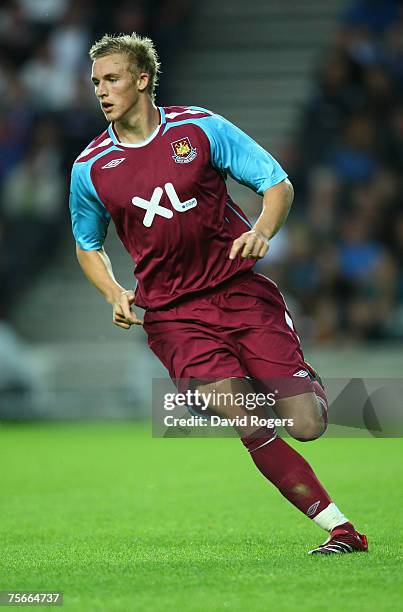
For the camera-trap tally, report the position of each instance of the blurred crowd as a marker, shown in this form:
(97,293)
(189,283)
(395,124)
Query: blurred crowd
(339,258)
(47,114)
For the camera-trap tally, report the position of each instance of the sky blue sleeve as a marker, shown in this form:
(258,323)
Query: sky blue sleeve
(89,217)
(234,152)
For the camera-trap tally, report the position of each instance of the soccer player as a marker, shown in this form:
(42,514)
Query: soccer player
(159,173)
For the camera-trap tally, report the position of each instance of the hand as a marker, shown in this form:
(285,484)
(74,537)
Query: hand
(123,316)
(251,245)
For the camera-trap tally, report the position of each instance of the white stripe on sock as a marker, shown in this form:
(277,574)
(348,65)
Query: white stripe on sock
(264,444)
(330,517)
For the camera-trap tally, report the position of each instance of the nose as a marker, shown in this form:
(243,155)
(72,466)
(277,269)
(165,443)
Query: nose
(101,90)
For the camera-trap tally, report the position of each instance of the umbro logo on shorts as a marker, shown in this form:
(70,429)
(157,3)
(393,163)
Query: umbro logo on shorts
(301,373)
(114,162)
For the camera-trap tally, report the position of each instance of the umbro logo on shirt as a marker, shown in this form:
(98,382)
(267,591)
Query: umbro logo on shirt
(114,162)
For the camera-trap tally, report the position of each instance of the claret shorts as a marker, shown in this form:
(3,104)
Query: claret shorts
(240,329)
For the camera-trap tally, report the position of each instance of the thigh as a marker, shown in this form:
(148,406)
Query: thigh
(188,347)
(267,343)
(234,399)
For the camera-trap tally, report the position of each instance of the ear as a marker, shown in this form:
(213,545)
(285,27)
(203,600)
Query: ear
(142,81)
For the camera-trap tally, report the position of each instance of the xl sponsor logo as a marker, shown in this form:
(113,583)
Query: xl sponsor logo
(153,207)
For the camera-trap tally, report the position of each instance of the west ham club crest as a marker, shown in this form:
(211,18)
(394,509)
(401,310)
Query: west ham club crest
(183,151)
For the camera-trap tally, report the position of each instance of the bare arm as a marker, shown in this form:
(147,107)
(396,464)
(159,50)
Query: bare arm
(276,205)
(97,267)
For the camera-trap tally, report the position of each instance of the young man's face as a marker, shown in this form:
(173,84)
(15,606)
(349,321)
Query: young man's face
(115,87)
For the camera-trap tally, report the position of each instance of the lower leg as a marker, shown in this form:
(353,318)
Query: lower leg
(275,459)
(294,478)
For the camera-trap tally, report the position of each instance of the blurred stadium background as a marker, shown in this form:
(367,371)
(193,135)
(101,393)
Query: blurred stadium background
(319,84)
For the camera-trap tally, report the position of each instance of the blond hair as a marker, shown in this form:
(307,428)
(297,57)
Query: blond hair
(140,52)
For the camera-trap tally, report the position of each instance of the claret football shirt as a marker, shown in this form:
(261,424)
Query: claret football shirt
(168,199)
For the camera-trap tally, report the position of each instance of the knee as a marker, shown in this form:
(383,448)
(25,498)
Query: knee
(315,426)
(309,429)
(312,432)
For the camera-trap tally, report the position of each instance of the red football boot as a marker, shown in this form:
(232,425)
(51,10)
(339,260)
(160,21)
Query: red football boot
(342,540)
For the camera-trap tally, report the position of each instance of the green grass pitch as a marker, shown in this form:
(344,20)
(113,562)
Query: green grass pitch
(120,521)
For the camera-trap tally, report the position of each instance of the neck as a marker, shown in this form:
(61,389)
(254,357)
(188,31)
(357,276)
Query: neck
(139,125)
